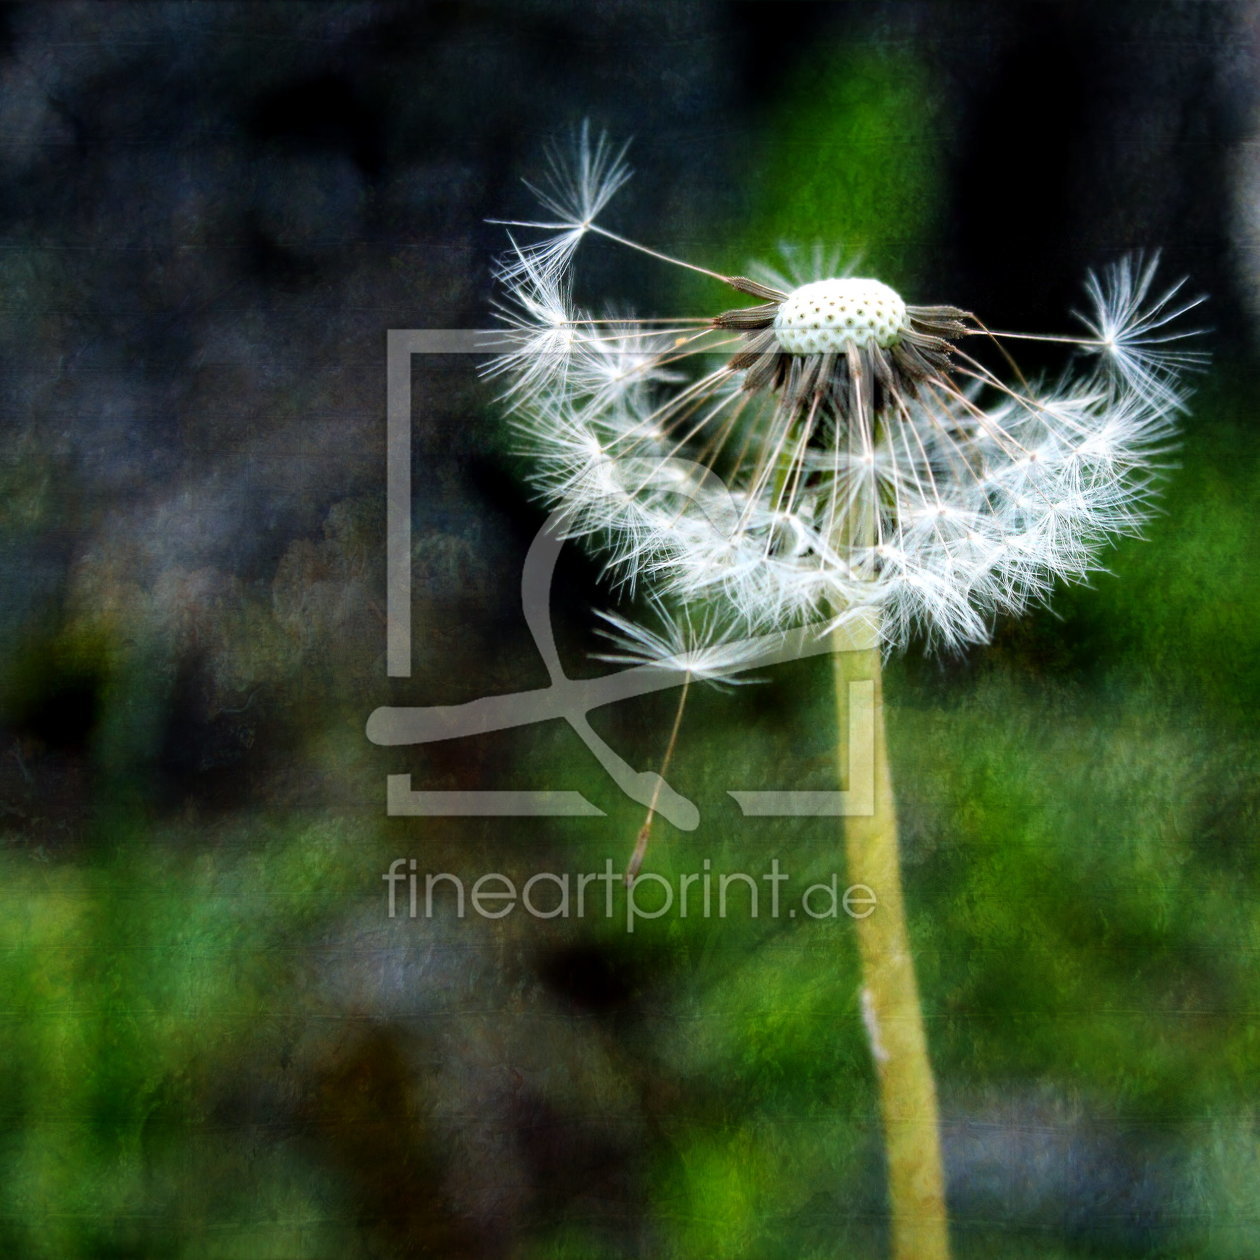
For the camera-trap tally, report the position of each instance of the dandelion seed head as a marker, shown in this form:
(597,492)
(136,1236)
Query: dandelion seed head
(847,454)
(831,314)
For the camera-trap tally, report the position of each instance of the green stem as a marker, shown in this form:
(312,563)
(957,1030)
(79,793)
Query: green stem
(890,997)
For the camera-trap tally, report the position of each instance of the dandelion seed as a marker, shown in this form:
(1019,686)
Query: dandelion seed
(1132,329)
(575,188)
(699,650)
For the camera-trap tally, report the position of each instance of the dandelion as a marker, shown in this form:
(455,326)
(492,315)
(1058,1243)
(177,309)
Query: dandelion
(832,447)
(831,455)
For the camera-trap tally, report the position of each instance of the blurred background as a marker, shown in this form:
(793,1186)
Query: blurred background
(216,1043)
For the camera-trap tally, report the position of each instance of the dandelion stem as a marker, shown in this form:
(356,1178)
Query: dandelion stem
(890,998)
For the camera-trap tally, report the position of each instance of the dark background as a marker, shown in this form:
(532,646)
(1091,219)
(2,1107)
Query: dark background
(218,1045)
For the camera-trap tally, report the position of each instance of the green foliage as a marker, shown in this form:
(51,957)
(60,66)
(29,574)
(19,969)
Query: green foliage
(853,159)
(130,986)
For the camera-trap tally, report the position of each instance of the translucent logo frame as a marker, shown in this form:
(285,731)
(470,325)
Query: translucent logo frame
(565,699)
